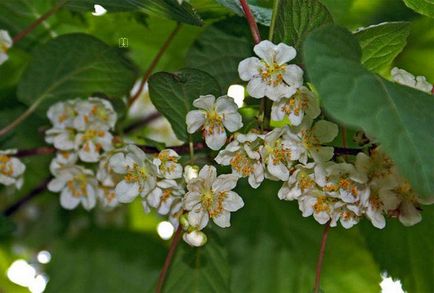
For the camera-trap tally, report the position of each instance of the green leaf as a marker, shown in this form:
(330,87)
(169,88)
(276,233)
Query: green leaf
(170,9)
(382,43)
(203,269)
(219,50)
(262,14)
(294,19)
(406,253)
(105,261)
(425,7)
(399,117)
(6,227)
(173,95)
(272,248)
(74,65)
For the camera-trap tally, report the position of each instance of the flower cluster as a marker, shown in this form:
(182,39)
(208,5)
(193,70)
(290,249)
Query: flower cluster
(5,45)
(11,169)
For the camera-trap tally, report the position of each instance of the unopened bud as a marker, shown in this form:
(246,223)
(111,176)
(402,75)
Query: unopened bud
(195,238)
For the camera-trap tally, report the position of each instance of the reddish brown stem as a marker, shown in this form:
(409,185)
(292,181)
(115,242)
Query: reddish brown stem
(251,21)
(154,63)
(37,22)
(321,258)
(139,123)
(168,259)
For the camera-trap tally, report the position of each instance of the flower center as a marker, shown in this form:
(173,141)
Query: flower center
(213,203)
(308,139)
(213,123)
(6,168)
(272,74)
(242,164)
(168,163)
(136,174)
(77,185)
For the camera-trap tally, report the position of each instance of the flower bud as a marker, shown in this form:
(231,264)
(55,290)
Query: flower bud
(195,238)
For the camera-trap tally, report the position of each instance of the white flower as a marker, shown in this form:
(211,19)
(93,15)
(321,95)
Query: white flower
(167,164)
(309,141)
(210,196)
(190,172)
(271,76)
(105,174)
(321,206)
(5,45)
(243,156)
(62,138)
(164,196)
(107,196)
(77,185)
(405,78)
(278,154)
(300,182)
(195,238)
(62,160)
(92,142)
(11,169)
(343,181)
(94,113)
(139,174)
(213,117)
(303,102)
(62,114)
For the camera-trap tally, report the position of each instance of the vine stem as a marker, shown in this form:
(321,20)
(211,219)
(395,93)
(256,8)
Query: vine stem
(154,63)
(321,257)
(168,259)
(20,118)
(37,22)
(251,21)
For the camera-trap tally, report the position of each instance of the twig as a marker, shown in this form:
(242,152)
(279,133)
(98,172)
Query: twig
(168,259)
(20,118)
(22,201)
(321,257)
(139,123)
(45,150)
(251,21)
(346,151)
(154,64)
(37,22)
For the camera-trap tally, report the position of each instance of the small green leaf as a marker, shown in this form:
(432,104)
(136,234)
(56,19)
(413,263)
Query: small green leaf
(382,43)
(173,95)
(105,261)
(425,7)
(203,269)
(74,65)
(294,19)
(219,50)
(405,253)
(399,117)
(170,9)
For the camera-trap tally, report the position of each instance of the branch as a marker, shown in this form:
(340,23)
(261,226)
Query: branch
(342,151)
(139,123)
(321,257)
(251,21)
(154,64)
(40,20)
(168,259)
(22,201)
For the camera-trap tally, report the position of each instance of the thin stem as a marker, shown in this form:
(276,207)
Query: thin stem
(139,123)
(251,21)
(321,257)
(168,259)
(22,201)
(273,20)
(344,136)
(37,22)
(154,63)
(20,118)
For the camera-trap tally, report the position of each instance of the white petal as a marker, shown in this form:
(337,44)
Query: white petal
(409,214)
(204,102)
(208,173)
(154,197)
(198,218)
(284,53)
(276,110)
(56,184)
(248,68)
(256,88)
(126,192)
(279,170)
(67,200)
(194,119)
(232,121)
(322,154)
(88,153)
(223,219)
(293,76)
(233,202)
(265,50)
(225,104)
(325,131)
(224,182)
(191,199)
(216,140)
(195,238)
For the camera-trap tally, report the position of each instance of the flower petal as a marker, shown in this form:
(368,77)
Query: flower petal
(216,139)
(284,53)
(249,68)
(204,102)
(256,87)
(194,119)
(233,202)
(232,121)
(223,220)
(265,50)
(126,192)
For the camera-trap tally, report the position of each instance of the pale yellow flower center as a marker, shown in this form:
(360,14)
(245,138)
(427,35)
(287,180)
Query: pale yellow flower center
(6,168)
(213,203)
(136,173)
(77,185)
(242,163)
(272,73)
(213,123)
